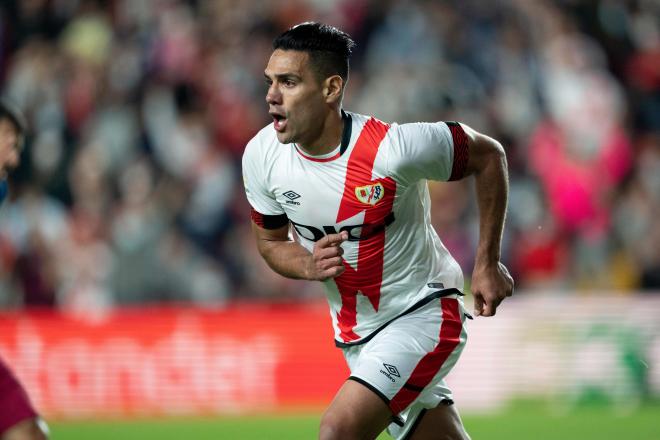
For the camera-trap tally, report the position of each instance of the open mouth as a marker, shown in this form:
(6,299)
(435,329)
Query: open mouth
(279,121)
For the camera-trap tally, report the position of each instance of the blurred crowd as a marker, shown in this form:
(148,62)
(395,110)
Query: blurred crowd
(130,186)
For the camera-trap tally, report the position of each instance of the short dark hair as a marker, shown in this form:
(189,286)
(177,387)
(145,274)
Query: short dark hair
(15,116)
(328,47)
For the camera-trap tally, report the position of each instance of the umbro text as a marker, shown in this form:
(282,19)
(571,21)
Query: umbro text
(389,376)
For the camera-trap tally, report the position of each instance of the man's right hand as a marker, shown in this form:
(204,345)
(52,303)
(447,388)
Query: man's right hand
(326,260)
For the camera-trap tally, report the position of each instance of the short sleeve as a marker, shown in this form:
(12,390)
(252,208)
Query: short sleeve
(255,174)
(434,151)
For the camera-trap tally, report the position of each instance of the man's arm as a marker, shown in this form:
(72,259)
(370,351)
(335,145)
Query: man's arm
(491,281)
(291,260)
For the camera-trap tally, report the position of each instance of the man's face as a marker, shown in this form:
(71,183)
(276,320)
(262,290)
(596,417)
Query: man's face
(9,154)
(295,97)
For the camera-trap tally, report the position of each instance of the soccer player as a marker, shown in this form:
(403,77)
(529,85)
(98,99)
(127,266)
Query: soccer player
(342,198)
(18,418)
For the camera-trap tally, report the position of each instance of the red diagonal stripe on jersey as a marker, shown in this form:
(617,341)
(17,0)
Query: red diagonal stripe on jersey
(431,363)
(360,166)
(367,277)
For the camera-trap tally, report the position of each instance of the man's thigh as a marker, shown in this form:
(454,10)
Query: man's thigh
(356,412)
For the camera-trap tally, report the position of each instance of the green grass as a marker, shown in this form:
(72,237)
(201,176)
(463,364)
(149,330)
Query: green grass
(521,421)
(244,427)
(535,422)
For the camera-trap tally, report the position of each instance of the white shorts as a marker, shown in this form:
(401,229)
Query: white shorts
(405,363)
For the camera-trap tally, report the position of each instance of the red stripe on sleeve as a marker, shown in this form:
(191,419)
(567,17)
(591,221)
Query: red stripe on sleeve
(461,151)
(257,218)
(429,365)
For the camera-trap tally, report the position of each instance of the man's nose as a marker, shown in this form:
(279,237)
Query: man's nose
(273,96)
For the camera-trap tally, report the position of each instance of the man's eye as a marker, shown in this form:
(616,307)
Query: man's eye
(288,83)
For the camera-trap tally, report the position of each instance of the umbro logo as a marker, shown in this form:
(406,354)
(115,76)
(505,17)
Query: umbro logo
(291,195)
(391,372)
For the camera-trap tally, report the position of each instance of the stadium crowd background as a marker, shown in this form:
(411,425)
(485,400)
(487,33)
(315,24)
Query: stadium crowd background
(130,187)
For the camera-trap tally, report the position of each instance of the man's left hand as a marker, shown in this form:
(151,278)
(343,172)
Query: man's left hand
(490,285)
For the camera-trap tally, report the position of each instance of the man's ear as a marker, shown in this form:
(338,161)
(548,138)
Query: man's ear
(332,88)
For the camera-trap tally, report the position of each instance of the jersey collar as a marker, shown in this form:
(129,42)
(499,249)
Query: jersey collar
(345,140)
(346,134)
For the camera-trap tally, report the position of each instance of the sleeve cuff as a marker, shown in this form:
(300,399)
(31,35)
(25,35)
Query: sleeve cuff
(268,221)
(461,151)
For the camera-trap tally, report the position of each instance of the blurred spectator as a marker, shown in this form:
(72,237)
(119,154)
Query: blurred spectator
(637,212)
(130,189)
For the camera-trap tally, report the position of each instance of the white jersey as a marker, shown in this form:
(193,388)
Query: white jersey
(374,186)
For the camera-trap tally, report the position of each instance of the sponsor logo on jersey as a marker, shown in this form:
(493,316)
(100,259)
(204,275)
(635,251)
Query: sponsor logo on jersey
(355,232)
(370,194)
(391,372)
(291,195)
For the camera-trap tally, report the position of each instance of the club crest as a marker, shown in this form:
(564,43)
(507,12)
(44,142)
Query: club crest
(370,194)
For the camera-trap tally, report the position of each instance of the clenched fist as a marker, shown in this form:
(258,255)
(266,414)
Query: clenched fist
(490,285)
(326,260)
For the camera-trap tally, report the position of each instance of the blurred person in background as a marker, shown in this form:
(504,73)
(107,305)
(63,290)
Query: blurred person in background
(136,84)
(18,418)
(340,180)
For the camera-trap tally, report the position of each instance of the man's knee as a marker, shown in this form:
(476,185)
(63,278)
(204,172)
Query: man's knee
(440,423)
(335,427)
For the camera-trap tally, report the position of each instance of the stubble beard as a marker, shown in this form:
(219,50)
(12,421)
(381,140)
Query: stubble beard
(285,138)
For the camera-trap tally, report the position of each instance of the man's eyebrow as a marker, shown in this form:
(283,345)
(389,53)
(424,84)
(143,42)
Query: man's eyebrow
(286,75)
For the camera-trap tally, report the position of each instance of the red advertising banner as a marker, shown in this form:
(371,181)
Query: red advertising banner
(175,360)
(258,357)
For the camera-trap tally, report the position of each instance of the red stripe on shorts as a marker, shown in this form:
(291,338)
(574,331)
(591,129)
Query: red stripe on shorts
(431,363)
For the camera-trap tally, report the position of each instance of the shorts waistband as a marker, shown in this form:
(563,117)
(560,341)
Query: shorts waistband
(422,302)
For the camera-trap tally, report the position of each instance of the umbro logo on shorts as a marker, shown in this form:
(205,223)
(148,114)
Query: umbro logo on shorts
(291,195)
(391,371)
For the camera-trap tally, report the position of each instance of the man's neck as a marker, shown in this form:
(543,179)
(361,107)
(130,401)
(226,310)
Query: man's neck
(331,135)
